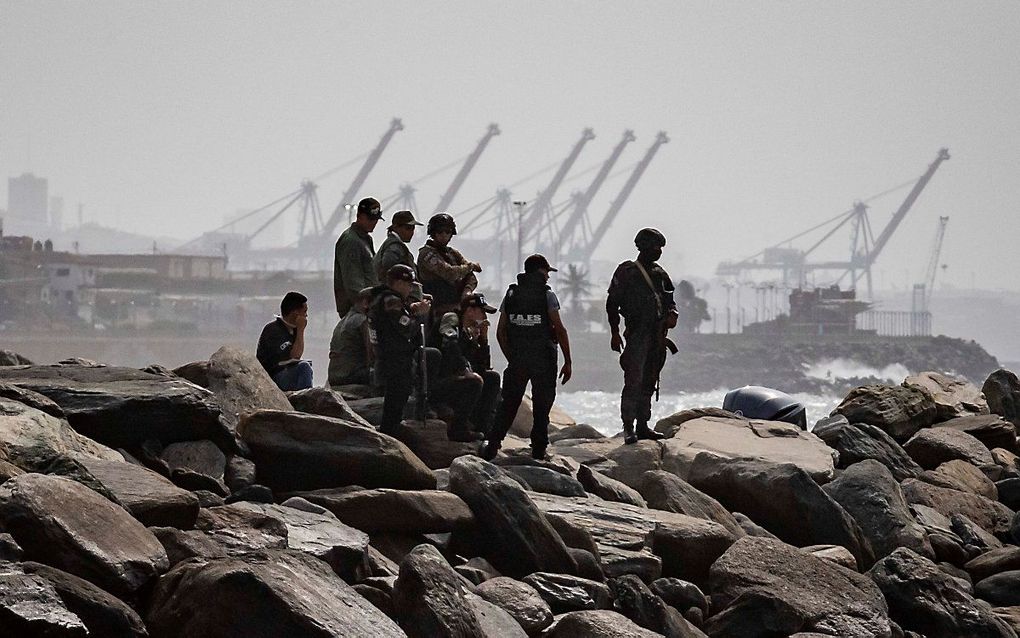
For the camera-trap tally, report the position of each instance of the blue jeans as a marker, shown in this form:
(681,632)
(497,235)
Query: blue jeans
(297,376)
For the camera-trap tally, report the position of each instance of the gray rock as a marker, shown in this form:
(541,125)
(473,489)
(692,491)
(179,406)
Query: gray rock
(430,599)
(565,593)
(1008,492)
(520,600)
(31,399)
(680,594)
(239,473)
(789,591)
(122,407)
(203,457)
(690,548)
(1002,392)
(323,536)
(579,431)
(972,535)
(634,600)
(670,424)
(102,614)
(628,463)
(239,531)
(493,620)
(993,562)
(868,491)
(277,593)
(953,397)
(784,500)
(30,606)
(241,385)
(404,511)
(961,475)
(64,524)
(540,479)
(597,624)
(924,599)
(295,451)
(251,494)
(149,497)
(429,443)
(1001,590)
(196,372)
(834,554)
(600,485)
(180,545)
(991,429)
(992,516)
(10,551)
(934,446)
(618,562)
(751,528)
(193,481)
(669,492)
(369,409)
(897,410)
(32,440)
(325,402)
(11,358)
(521,540)
(860,441)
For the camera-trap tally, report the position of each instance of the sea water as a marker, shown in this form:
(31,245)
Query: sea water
(601,410)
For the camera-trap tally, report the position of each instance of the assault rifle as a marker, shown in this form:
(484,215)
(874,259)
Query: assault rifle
(422,390)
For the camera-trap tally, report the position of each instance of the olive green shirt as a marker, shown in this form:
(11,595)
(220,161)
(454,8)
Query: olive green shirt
(392,252)
(352,267)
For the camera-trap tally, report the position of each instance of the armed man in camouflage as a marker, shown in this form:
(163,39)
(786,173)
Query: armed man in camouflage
(642,292)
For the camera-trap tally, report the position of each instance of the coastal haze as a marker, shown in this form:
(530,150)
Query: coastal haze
(164,121)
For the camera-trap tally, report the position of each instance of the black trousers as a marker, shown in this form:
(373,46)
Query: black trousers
(642,360)
(471,397)
(538,367)
(398,376)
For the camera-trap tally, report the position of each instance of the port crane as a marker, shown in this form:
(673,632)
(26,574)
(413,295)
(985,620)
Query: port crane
(864,249)
(923,291)
(465,170)
(542,207)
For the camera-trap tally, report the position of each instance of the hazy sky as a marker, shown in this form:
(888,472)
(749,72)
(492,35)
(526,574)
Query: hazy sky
(162,117)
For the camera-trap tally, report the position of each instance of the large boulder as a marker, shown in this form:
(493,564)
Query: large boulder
(934,446)
(689,547)
(525,417)
(242,385)
(784,500)
(565,593)
(870,493)
(400,511)
(769,441)
(520,539)
(624,463)
(429,442)
(518,599)
(64,524)
(11,358)
(324,402)
(123,407)
(276,593)
(30,606)
(665,491)
(670,424)
(295,451)
(103,614)
(430,599)
(992,516)
(322,535)
(961,475)
(859,441)
(494,621)
(1001,590)
(543,479)
(239,531)
(598,623)
(791,591)
(991,429)
(149,497)
(32,439)
(600,485)
(953,397)
(900,411)
(1002,559)
(925,599)
(31,399)
(1002,392)
(203,457)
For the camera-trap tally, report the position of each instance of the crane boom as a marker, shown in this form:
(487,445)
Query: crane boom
(584,200)
(465,170)
(359,179)
(544,200)
(628,188)
(933,259)
(898,216)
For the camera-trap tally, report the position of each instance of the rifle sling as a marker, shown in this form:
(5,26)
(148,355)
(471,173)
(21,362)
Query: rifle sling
(651,286)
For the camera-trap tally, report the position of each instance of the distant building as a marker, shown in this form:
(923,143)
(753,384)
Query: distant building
(27,204)
(57,214)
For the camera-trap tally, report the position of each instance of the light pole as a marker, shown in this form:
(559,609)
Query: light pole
(520,231)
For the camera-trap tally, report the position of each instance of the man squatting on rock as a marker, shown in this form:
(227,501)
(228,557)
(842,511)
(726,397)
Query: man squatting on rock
(528,333)
(282,343)
(642,292)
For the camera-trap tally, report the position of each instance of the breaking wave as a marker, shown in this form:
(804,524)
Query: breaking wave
(833,369)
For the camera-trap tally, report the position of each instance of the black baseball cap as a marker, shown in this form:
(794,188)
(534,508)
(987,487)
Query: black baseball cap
(476,300)
(404,218)
(370,206)
(536,261)
(401,272)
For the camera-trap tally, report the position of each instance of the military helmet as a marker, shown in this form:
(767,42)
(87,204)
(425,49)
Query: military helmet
(648,238)
(440,222)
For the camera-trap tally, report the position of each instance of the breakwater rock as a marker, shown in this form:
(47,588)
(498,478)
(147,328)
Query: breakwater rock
(141,503)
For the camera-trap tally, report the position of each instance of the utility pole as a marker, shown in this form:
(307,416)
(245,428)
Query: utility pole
(519,205)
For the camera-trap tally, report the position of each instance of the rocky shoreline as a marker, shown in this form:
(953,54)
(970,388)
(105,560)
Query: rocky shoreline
(204,502)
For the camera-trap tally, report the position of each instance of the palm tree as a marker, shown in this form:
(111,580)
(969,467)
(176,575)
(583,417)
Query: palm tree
(575,286)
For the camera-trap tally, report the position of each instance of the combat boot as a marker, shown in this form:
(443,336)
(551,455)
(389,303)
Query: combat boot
(645,434)
(628,433)
(490,450)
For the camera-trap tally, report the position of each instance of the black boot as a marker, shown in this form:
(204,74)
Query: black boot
(490,450)
(645,434)
(629,437)
(538,452)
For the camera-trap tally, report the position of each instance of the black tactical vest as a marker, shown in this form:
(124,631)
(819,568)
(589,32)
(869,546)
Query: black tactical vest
(391,335)
(527,309)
